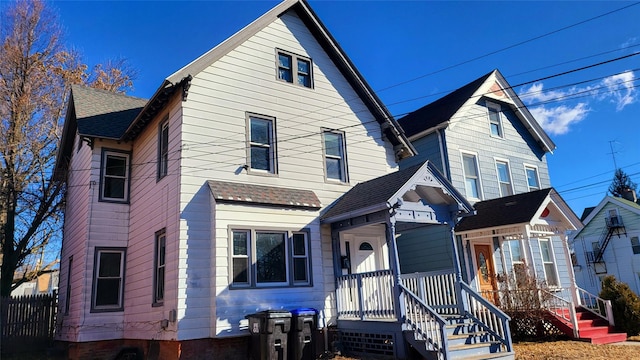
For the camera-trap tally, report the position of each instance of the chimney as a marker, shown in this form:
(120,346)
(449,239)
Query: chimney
(629,194)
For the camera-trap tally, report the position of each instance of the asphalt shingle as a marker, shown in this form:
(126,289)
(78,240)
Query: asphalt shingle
(259,194)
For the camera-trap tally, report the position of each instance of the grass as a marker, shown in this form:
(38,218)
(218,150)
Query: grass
(566,350)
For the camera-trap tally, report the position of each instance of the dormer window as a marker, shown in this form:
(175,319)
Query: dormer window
(495,122)
(294,68)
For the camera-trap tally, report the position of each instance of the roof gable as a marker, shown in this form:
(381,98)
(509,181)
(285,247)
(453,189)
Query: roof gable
(524,208)
(492,86)
(615,201)
(389,190)
(391,129)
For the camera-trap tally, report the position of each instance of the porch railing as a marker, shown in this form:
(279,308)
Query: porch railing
(437,289)
(596,305)
(427,326)
(495,322)
(366,296)
(560,307)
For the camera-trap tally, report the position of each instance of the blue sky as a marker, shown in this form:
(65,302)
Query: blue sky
(414,52)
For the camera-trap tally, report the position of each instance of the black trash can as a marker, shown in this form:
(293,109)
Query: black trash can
(269,330)
(304,323)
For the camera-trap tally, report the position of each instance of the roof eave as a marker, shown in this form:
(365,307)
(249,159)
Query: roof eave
(356,213)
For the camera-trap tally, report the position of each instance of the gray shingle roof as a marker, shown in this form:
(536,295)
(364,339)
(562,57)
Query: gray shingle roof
(259,194)
(102,113)
(440,110)
(514,209)
(372,192)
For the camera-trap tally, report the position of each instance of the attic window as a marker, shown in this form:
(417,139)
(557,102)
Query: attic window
(294,68)
(495,122)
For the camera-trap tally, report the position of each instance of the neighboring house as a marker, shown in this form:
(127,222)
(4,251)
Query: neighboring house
(609,244)
(218,198)
(493,150)
(45,283)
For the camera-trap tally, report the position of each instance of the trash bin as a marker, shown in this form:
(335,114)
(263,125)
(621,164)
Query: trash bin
(304,323)
(269,330)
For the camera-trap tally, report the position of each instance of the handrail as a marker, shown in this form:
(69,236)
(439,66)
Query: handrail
(487,315)
(424,322)
(559,306)
(596,305)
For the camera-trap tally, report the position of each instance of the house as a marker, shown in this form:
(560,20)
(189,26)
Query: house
(251,180)
(609,244)
(490,147)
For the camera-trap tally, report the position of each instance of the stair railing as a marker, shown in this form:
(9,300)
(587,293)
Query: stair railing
(596,305)
(494,321)
(424,322)
(561,308)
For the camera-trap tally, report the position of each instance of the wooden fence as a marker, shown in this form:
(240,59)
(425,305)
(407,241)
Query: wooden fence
(27,322)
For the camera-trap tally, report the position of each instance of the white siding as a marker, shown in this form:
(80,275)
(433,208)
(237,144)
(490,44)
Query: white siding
(76,222)
(213,135)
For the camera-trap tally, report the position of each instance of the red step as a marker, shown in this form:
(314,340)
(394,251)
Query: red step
(591,328)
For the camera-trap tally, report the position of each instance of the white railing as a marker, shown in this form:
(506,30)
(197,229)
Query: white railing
(366,296)
(596,305)
(425,323)
(488,315)
(436,289)
(561,308)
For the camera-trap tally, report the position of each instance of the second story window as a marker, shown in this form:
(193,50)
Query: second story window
(635,245)
(294,68)
(471,177)
(504,178)
(532,178)
(114,179)
(494,120)
(163,150)
(261,148)
(334,156)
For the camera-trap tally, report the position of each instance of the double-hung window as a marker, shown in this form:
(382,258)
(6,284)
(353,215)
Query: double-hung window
(471,177)
(163,149)
(549,265)
(495,122)
(261,149)
(504,178)
(114,179)
(108,279)
(292,67)
(635,245)
(335,160)
(533,182)
(67,300)
(263,258)
(159,267)
(517,261)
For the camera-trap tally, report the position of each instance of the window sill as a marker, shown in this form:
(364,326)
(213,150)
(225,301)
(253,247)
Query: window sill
(261,173)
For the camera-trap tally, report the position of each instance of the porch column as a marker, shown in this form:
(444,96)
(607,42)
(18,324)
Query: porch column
(456,268)
(394,263)
(335,245)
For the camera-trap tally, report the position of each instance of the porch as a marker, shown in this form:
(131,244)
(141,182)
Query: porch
(439,316)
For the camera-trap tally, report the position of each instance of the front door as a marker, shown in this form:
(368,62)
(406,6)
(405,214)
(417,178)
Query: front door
(485,272)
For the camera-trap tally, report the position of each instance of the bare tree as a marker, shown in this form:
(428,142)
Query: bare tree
(36,72)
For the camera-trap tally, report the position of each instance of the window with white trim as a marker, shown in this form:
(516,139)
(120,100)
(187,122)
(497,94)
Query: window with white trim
(533,182)
(264,258)
(504,178)
(471,177)
(261,149)
(159,262)
(292,66)
(495,122)
(114,176)
(548,262)
(335,159)
(108,279)
(163,149)
(635,245)
(517,260)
